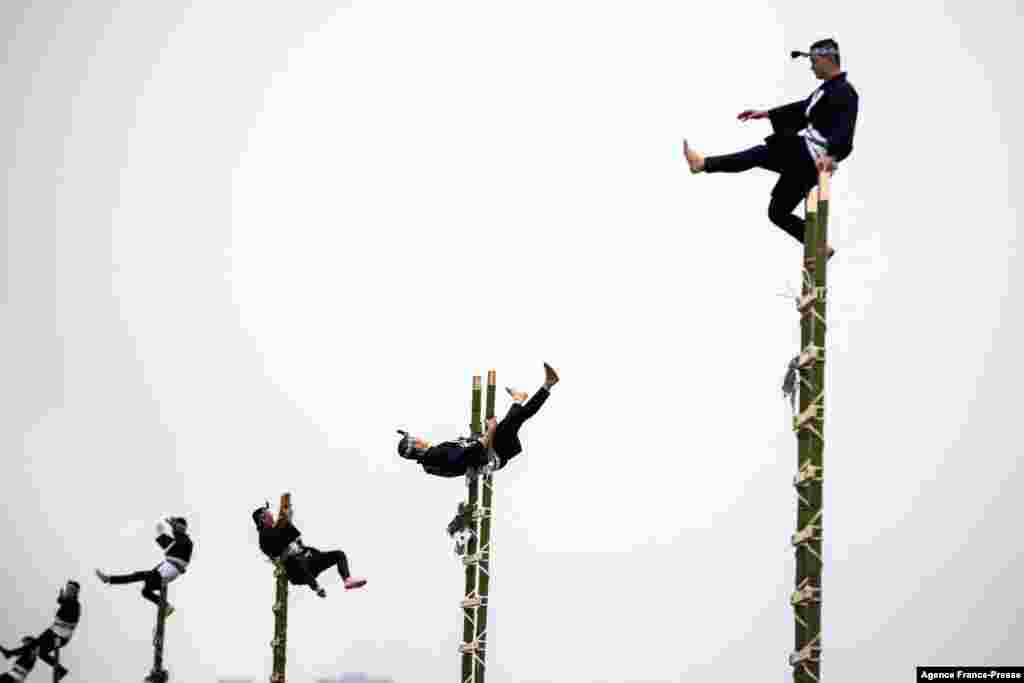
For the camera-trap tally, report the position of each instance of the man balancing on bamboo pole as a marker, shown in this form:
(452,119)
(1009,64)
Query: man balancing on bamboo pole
(810,137)
(69,611)
(302,563)
(172,536)
(499,445)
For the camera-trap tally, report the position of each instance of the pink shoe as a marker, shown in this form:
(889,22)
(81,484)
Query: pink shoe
(352,582)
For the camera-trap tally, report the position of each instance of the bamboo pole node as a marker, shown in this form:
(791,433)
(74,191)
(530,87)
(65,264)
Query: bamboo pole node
(809,534)
(824,179)
(805,594)
(813,295)
(812,202)
(810,355)
(805,656)
(808,473)
(807,416)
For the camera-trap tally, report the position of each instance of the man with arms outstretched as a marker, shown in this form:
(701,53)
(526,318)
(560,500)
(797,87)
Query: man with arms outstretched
(810,136)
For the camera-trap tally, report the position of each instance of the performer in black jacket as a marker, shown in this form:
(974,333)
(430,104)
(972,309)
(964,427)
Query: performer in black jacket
(810,136)
(302,563)
(25,662)
(172,536)
(69,612)
(497,446)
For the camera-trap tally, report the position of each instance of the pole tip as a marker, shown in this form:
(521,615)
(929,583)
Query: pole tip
(812,201)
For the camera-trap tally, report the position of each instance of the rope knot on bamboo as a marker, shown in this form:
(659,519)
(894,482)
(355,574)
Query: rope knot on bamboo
(811,533)
(806,655)
(812,414)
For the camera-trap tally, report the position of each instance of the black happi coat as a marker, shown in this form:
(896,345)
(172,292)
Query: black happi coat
(453,458)
(275,540)
(177,548)
(834,115)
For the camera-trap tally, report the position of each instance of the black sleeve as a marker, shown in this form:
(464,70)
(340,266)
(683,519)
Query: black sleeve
(290,533)
(164,541)
(789,117)
(840,142)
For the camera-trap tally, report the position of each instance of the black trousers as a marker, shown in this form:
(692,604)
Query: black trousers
(789,157)
(506,436)
(152,582)
(49,642)
(304,570)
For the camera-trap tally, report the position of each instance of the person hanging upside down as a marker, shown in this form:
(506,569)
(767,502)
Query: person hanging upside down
(810,137)
(69,611)
(497,446)
(172,536)
(25,662)
(302,563)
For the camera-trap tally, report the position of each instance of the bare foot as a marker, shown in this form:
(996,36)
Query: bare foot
(517,396)
(550,376)
(695,161)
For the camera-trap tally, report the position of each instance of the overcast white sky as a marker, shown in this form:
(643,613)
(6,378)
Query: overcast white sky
(245,243)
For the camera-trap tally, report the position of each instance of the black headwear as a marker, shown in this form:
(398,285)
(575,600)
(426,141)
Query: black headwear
(822,48)
(257,514)
(407,445)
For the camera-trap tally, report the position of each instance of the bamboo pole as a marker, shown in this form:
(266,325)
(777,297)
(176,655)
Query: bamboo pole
(809,425)
(471,599)
(158,673)
(280,642)
(484,564)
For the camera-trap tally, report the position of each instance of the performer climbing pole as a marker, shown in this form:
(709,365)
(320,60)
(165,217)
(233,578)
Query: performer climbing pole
(25,662)
(280,641)
(50,642)
(809,426)
(158,674)
(809,137)
(477,457)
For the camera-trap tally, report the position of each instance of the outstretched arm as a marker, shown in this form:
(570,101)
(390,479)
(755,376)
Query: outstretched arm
(788,116)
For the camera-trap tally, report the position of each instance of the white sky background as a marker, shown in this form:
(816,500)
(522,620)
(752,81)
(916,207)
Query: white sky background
(244,246)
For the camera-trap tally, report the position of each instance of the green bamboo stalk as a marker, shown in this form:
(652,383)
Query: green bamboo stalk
(806,599)
(280,642)
(484,566)
(158,674)
(817,448)
(470,601)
